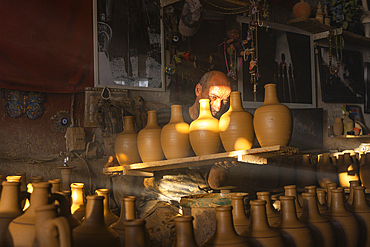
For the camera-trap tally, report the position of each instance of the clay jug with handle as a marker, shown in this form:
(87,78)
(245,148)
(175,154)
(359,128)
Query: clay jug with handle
(51,229)
(273,216)
(349,200)
(240,220)
(175,136)
(312,189)
(184,232)
(125,144)
(204,133)
(149,140)
(236,126)
(273,122)
(109,217)
(259,232)
(291,190)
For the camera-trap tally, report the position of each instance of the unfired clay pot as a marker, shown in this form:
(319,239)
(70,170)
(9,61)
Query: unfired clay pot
(349,200)
(294,232)
(347,170)
(312,189)
(135,233)
(345,225)
(184,232)
(365,170)
(78,207)
(330,187)
(326,172)
(225,234)
(51,229)
(175,136)
(125,144)
(109,217)
(273,216)
(204,133)
(240,220)
(291,190)
(273,122)
(321,229)
(338,126)
(94,232)
(149,140)
(55,184)
(260,233)
(236,126)
(302,9)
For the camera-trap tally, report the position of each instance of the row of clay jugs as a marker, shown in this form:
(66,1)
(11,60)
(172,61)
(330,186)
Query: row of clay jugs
(273,216)
(273,122)
(291,190)
(94,232)
(365,170)
(260,233)
(22,228)
(347,169)
(225,234)
(240,220)
(321,229)
(204,132)
(125,144)
(236,126)
(326,171)
(184,232)
(109,217)
(51,229)
(294,232)
(175,136)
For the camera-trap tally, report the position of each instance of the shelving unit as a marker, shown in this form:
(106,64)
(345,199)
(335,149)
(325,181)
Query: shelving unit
(253,156)
(351,136)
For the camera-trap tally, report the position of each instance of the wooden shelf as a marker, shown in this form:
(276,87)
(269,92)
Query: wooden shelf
(321,31)
(253,156)
(351,136)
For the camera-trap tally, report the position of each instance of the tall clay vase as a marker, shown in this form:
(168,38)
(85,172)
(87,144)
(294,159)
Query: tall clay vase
(291,190)
(294,232)
(345,225)
(302,9)
(10,208)
(273,122)
(66,172)
(272,215)
(51,229)
(94,232)
(365,170)
(184,232)
(109,217)
(259,232)
(225,234)
(135,233)
(125,144)
(78,207)
(362,212)
(240,220)
(326,172)
(149,140)
(204,133)
(338,126)
(236,126)
(346,170)
(321,229)
(175,136)
(306,172)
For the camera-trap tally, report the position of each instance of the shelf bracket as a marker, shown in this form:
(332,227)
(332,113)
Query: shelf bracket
(247,158)
(324,35)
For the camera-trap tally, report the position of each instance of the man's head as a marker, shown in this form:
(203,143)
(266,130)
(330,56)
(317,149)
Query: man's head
(214,86)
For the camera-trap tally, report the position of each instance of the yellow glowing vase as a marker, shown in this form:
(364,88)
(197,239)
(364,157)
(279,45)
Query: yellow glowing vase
(78,207)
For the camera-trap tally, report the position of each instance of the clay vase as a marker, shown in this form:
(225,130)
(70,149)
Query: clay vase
(346,170)
(225,234)
(66,172)
(293,231)
(365,170)
(23,180)
(349,200)
(338,126)
(345,225)
(330,187)
(72,221)
(184,232)
(272,215)
(149,140)
(273,122)
(302,9)
(51,229)
(259,232)
(321,229)
(175,136)
(94,232)
(203,133)
(109,217)
(78,207)
(55,185)
(135,233)
(321,198)
(326,172)
(306,172)
(10,208)
(312,189)
(125,144)
(236,126)
(22,229)
(240,220)
(291,190)
(362,212)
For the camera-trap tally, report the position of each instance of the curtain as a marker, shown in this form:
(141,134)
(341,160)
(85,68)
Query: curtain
(46,46)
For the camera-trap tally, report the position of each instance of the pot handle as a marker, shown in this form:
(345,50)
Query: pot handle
(64,231)
(64,208)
